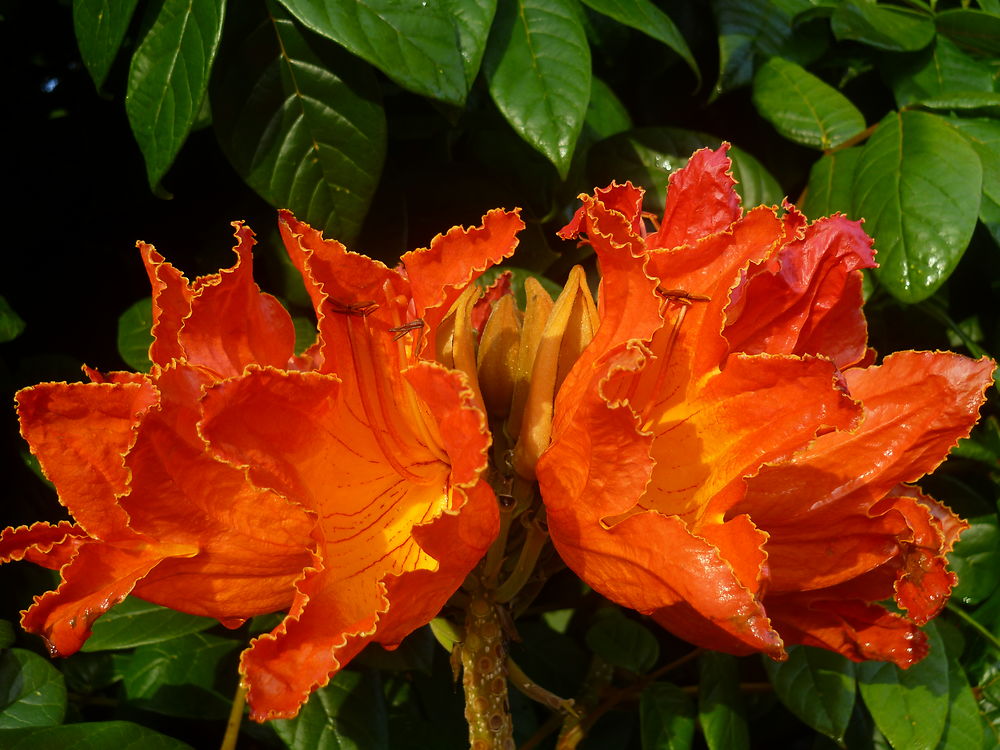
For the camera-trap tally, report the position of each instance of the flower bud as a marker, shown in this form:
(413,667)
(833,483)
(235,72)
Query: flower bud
(498,356)
(570,327)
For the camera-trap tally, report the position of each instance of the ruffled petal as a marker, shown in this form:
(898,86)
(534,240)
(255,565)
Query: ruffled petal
(441,272)
(48,545)
(172,296)
(80,433)
(232,323)
(96,579)
(701,200)
(625,199)
(810,301)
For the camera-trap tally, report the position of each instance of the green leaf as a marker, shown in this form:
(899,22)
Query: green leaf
(98,735)
(666,718)
(648,156)
(301,121)
(417,44)
(168,79)
(647,18)
(917,184)
(817,686)
(885,27)
(720,704)
(976,559)
(100,27)
(135,336)
(11,324)
(973,30)
(348,714)
(983,134)
(538,68)
(135,622)
(606,115)
(472,19)
(939,71)
(802,107)
(910,706)
(964,727)
(6,633)
(178,677)
(831,184)
(751,29)
(32,691)
(623,642)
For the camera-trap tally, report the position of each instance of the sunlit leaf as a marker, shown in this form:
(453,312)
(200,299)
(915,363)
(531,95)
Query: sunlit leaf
(100,27)
(666,717)
(32,691)
(983,134)
(720,705)
(11,324)
(917,184)
(817,686)
(910,706)
(802,107)
(348,714)
(882,26)
(624,643)
(135,622)
(301,121)
(831,184)
(98,735)
(134,335)
(940,70)
(537,65)
(647,18)
(168,79)
(415,43)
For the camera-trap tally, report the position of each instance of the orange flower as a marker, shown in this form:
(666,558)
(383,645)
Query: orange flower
(723,459)
(236,479)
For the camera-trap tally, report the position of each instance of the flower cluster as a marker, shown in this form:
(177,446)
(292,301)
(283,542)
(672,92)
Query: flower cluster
(711,439)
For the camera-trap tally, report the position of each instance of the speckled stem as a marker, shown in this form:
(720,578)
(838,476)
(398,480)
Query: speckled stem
(484,664)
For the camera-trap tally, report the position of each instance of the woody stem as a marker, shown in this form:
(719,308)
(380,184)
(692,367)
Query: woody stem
(484,665)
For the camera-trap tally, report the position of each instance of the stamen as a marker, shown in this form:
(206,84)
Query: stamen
(356,309)
(402,330)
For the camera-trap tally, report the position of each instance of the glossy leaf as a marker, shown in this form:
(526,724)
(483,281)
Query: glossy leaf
(606,115)
(802,107)
(32,691)
(168,79)
(976,559)
(964,727)
(647,18)
(472,19)
(983,134)
(909,706)
(752,29)
(537,65)
(720,705)
(100,27)
(648,156)
(885,27)
(302,123)
(666,717)
(917,185)
(831,184)
(624,643)
(416,44)
(135,622)
(11,324)
(177,677)
(134,337)
(817,686)
(98,735)
(348,714)
(939,71)
(976,31)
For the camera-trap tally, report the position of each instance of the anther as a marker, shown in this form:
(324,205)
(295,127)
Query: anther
(357,309)
(400,331)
